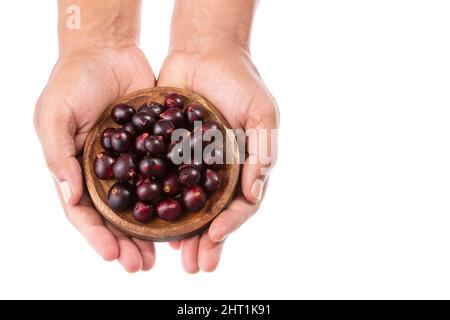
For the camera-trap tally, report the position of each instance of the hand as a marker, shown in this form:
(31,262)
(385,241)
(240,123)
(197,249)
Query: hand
(80,87)
(227,77)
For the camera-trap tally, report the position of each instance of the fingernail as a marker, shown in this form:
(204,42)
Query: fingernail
(65,191)
(217,235)
(223,238)
(257,188)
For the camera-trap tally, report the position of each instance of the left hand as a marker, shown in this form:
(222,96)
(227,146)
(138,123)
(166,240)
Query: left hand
(227,77)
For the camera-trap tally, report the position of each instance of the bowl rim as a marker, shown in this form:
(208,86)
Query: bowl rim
(170,232)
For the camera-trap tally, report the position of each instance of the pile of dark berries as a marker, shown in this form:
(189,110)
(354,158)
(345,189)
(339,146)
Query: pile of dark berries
(139,154)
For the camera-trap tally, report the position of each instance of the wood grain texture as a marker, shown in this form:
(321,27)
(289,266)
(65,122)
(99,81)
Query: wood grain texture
(157,229)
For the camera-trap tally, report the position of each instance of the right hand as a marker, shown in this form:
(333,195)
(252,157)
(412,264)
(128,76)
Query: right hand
(81,86)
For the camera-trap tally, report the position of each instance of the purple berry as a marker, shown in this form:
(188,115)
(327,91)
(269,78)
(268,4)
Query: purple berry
(120,140)
(103,165)
(189,176)
(152,108)
(168,209)
(105,139)
(175,115)
(148,190)
(120,196)
(212,181)
(142,212)
(124,168)
(194,113)
(122,113)
(139,146)
(128,127)
(164,128)
(173,100)
(194,198)
(152,167)
(170,185)
(142,121)
(154,145)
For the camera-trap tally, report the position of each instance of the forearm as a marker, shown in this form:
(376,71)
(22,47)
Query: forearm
(201,24)
(102,24)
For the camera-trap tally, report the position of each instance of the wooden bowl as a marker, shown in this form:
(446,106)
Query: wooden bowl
(157,229)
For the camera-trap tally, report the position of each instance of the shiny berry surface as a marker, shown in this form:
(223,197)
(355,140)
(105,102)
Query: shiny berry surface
(103,165)
(209,125)
(175,115)
(142,121)
(122,113)
(214,158)
(173,100)
(212,181)
(168,209)
(170,185)
(197,143)
(211,132)
(148,190)
(120,140)
(105,139)
(194,113)
(139,146)
(189,176)
(121,196)
(175,153)
(193,164)
(138,179)
(194,198)
(153,108)
(124,168)
(154,145)
(142,212)
(152,167)
(163,128)
(128,127)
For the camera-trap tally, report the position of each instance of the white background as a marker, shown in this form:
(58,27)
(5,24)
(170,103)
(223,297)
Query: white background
(359,204)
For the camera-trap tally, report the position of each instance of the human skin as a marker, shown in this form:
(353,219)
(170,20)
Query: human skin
(101,62)
(209,54)
(97,64)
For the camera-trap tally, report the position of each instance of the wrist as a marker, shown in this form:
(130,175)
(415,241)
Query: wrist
(102,24)
(204,25)
(201,44)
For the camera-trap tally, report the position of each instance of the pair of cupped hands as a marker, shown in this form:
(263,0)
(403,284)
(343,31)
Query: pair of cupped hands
(85,82)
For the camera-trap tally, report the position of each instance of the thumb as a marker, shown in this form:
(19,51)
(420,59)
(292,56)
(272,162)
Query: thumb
(262,136)
(172,73)
(56,128)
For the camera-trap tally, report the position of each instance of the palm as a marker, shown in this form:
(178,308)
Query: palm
(229,83)
(92,81)
(82,86)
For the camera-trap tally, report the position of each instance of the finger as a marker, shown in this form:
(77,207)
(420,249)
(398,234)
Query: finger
(209,253)
(147,249)
(89,223)
(175,245)
(262,147)
(129,257)
(239,211)
(56,129)
(189,254)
